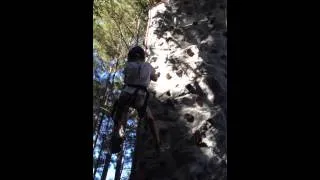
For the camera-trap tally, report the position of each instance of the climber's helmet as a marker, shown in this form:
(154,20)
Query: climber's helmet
(136,53)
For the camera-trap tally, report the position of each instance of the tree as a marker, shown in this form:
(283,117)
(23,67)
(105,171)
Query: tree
(119,165)
(103,144)
(106,166)
(115,25)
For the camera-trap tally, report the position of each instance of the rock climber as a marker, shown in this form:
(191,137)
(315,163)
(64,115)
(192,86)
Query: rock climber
(137,77)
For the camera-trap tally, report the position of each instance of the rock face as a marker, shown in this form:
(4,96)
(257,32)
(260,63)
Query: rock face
(186,43)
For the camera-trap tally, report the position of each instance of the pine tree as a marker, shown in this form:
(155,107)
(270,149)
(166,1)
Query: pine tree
(106,166)
(119,165)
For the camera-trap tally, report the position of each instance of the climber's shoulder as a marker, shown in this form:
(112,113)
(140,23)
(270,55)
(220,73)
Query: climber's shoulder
(148,65)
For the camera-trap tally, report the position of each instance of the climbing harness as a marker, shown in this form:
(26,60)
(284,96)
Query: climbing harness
(116,144)
(143,109)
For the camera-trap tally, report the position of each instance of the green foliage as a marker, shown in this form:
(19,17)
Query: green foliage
(115,26)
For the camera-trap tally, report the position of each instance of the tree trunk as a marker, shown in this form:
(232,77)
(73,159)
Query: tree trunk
(103,144)
(96,163)
(106,166)
(109,93)
(119,166)
(98,130)
(138,30)
(98,110)
(102,116)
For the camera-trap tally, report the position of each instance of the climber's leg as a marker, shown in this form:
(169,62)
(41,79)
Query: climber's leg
(120,121)
(121,117)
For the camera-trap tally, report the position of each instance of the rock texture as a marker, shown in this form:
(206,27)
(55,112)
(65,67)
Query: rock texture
(186,43)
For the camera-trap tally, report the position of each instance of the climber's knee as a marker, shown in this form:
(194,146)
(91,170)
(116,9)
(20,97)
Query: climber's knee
(121,116)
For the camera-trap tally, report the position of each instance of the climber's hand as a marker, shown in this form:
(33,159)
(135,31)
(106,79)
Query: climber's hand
(154,76)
